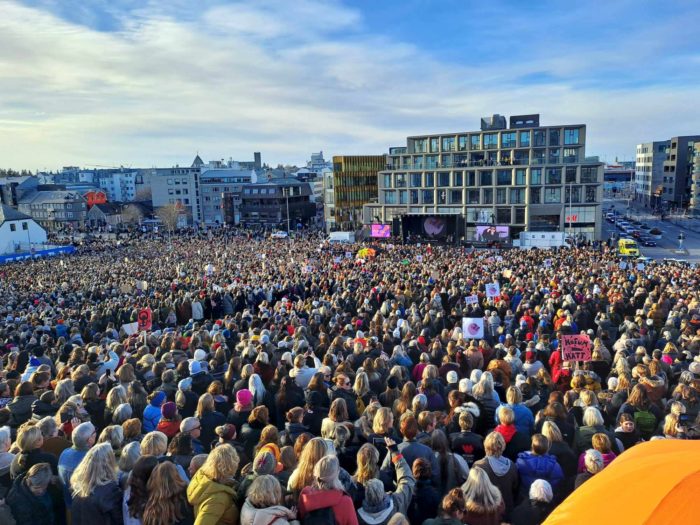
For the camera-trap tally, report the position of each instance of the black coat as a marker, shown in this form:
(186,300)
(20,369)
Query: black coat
(102,507)
(530,513)
(28,508)
(425,502)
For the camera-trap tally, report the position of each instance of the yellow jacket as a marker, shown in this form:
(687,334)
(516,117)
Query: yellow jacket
(213,502)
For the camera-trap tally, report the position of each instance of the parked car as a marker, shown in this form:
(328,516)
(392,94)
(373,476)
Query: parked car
(645,226)
(279,235)
(645,241)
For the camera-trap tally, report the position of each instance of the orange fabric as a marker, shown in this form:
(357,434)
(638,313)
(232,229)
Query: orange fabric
(652,483)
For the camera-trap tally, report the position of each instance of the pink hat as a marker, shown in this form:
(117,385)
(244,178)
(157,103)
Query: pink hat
(667,359)
(244,397)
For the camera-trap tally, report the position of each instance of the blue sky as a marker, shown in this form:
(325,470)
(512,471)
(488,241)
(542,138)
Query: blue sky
(146,83)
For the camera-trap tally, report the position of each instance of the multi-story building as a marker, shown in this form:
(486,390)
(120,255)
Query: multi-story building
(179,186)
(618,181)
(220,190)
(283,203)
(353,184)
(695,185)
(525,175)
(12,189)
(678,170)
(55,209)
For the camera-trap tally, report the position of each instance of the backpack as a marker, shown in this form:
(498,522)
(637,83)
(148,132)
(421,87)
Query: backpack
(324,516)
(645,422)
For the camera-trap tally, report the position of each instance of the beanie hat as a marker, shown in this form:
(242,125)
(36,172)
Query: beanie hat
(244,397)
(168,410)
(195,367)
(264,463)
(315,399)
(189,424)
(158,399)
(452,377)
(33,361)
(227,431)
(185,384)
(200,355)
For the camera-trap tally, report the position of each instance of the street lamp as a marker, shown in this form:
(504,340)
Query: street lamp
(286,191)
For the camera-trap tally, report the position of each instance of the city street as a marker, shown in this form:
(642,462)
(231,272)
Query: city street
(671,228)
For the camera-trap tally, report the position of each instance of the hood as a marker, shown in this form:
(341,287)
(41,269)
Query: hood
(378,516)
(320,499)
(500,466)
(295,428)
(267,516)
(507,431)
(202,488)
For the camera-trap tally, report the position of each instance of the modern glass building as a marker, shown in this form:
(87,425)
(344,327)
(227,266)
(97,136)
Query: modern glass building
(353,184)
(521,174)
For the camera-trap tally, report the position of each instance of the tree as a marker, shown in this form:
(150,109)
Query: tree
(131,214)
(169,215)
(144,194)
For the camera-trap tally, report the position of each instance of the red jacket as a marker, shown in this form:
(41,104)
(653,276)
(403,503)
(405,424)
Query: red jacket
(343,509)
(169,428)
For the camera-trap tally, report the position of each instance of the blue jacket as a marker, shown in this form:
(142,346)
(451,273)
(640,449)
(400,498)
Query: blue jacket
(412,450)
(531,467)
(151,418)
(524,420)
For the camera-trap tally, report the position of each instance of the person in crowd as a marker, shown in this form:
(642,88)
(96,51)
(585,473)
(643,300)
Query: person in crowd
(264,503)
(212,490)
(500,470)
(167,498)
(36,498)
(97,497)
(594,463)
(535,509)
(538,464)
(326,496)
(483,501)
(136,491)
(29,441)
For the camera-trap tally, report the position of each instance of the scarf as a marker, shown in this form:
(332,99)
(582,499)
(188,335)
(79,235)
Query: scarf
(507,431)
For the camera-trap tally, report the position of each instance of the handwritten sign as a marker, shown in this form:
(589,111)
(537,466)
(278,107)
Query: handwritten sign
(640,266)
(472,299)
(130,328)
(473,327)
(419,258)
(145,321)
(623,265)
(575,348)
(493,290)
(547,263)
(507,273)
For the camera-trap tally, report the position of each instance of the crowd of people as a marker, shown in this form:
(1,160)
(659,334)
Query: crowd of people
(277,381)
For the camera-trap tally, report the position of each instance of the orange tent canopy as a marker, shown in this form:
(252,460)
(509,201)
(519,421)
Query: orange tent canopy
(656,482)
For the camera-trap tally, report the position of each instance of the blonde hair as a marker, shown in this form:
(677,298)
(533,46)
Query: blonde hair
(383,421)
(97,468)
(221,464)
(367,463)
(361,386)
(154,444)
(506,415)
(311,454)
(265,491)
(514,396)
(116,397)
(27,437)
(480,493)
(551,431)
(494,444)
(204,405)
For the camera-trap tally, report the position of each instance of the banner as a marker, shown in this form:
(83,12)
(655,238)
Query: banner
(472,299)
(473,327)
(145,321)
(575,348)
(493,290)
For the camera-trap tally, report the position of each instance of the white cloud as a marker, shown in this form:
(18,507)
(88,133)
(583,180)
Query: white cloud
(285,78)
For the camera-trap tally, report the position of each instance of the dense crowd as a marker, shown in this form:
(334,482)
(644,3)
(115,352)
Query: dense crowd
(280,381)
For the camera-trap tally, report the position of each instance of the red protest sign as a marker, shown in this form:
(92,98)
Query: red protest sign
(145,319)
(575,348)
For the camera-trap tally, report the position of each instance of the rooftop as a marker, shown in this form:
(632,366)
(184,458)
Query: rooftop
(8,213)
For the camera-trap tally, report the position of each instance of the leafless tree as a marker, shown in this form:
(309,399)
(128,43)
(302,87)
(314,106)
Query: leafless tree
(168,215)
(144,194)
(131,214)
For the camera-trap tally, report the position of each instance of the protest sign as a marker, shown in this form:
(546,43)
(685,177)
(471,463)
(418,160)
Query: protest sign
(419,258)
(507,273)
(131,328)
(337,260)
(575,348)
(348,255)
(472,299)
(145,319)
(640,266)
(623,265)
(473,327)
(547,263)
(493,290)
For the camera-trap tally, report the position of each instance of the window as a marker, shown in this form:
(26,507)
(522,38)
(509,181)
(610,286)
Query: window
(472,196)
(553,137)
(503,215)
(442,197)
(431,161)
(403,197)
(508,139)
(428,197)
(536,176)
(414,196)
(462,143)
(520,177)
(487,196)
(443,179)
(575,192)
(539,138)
(170,182)
(535,195)
(456,196)
(519,216)
(571,136)
(554,156)
(471,178)
(517,196)
(418,163)
(400,180)
(416,181)
(475,141)
(570,174)
(448,144)
(570,155)
(13,227)
(490,140)
(501,196)
(553,176)
(486,178)
(589,175)
(504,177)
(386,180)
(591,193)
(171,191)
(420,146)
(429,180)
(552,195)
(25,226)
(434,145)
(524,139)
(390,197)
(186,201)
(458,178)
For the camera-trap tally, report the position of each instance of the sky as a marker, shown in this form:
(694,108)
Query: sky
(146,83)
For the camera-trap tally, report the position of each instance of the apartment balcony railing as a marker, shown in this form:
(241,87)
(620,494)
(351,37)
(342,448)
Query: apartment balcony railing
(487,163)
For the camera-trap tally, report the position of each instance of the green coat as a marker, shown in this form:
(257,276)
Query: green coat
(213,502)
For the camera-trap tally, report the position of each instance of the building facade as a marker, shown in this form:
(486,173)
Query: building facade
(524,175)
(18,231)
(179,186)
(278,203)
(220,185)
(678,171)
(353,184)
(12,189)
(695,184)
(55,209)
